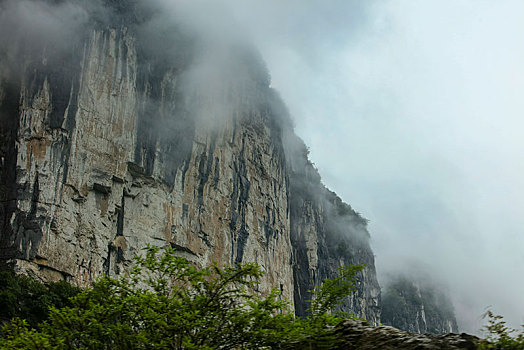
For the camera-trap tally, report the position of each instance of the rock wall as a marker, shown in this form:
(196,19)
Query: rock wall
(327,234)
(107,146)
(417,306)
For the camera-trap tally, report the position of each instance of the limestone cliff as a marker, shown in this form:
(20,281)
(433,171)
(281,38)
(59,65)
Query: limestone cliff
(417,306)
(108,145)
(326,234)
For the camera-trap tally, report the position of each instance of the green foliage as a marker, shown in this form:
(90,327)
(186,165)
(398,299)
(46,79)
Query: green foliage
(500,336)
(400,303)
(28,299)
(167,303)
(331,292)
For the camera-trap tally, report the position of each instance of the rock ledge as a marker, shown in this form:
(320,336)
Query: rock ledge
(360,335)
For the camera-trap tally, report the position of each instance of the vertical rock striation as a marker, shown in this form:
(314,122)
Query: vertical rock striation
(326,234)
(418,307)
(107,146)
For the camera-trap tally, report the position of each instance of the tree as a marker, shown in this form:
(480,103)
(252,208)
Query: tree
(167,303)
(29,299)
(501,337)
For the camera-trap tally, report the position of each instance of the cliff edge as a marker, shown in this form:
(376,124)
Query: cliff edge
(119,128)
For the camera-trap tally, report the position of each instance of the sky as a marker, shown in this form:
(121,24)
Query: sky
(413,114)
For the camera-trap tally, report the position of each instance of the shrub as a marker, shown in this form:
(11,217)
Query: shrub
(29,299)
(500,336)
(167,303)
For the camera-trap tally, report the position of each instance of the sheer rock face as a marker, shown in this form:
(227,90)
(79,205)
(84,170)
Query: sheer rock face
(327,234)
(105,150)
(417,306)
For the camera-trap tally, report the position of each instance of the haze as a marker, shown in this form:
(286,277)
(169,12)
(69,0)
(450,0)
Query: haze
(414,115)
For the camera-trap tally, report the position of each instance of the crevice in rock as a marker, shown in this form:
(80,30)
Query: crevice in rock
(35,193)
(120,218)
(182,249)
(204,169)
(217,173)
(9,116)
(107,261)
(239,198)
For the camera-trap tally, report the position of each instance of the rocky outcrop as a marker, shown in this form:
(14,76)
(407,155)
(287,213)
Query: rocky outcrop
(417,306)
(360,335)
(108,145)
(327,234)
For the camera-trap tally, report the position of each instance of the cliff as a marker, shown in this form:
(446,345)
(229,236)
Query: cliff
(417,306)
(127,133)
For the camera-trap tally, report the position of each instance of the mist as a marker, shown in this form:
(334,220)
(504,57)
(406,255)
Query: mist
(412,112)
(412,115)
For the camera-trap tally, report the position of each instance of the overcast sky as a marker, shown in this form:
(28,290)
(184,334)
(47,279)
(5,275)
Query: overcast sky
(414,114)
